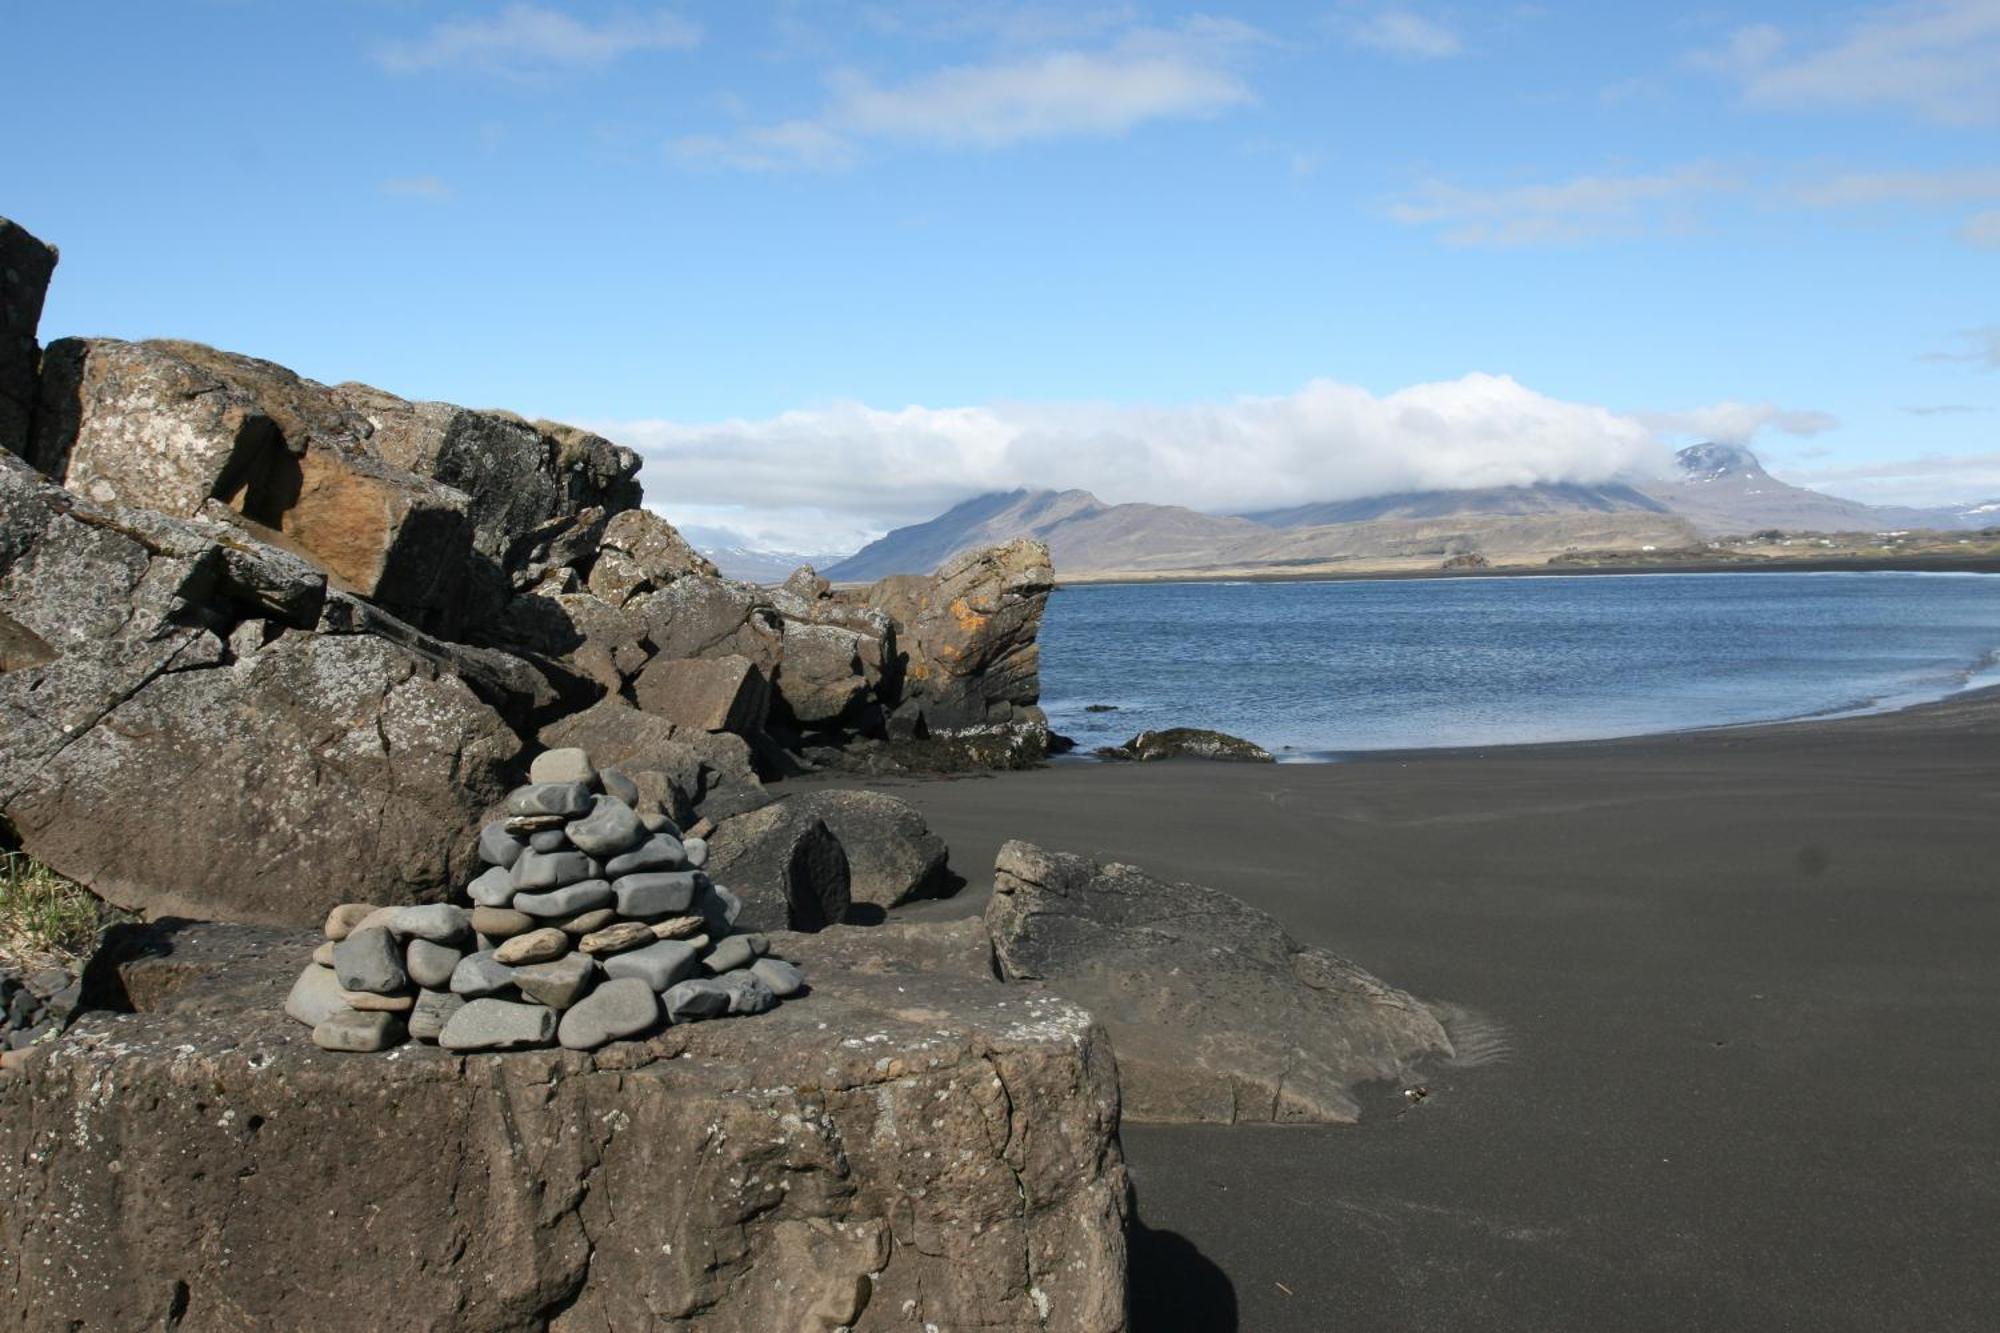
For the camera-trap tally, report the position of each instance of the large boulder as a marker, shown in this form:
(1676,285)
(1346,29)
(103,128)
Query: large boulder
(699,616)
(967,637)
(786,866)
(822,676)
(892,855)
(641,553)
(1218,1015)
(705,693)
(890,1152)
(713,771)
(539,493)
(174,426)
(25,266)
(194,725)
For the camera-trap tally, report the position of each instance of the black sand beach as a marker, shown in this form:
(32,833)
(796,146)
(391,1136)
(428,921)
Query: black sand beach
(1743,1062)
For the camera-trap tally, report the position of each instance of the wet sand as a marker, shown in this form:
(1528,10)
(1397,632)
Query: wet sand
(1736,998)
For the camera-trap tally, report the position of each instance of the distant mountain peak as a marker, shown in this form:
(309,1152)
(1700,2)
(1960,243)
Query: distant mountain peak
(1713,460)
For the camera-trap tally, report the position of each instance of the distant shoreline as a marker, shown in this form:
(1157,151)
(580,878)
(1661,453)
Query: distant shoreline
(1914,565)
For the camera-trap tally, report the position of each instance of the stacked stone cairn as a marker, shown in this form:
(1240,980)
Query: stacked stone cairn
(592,923)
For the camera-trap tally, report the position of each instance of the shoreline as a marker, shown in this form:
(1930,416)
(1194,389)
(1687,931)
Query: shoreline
(1859,565)
(1727,989)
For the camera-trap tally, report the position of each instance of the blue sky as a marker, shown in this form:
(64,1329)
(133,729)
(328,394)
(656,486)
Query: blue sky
(833,265)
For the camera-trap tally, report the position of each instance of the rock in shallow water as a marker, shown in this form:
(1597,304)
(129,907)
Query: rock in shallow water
(498,1025)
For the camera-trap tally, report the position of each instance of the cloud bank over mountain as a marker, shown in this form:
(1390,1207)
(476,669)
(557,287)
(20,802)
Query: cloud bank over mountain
(833,477)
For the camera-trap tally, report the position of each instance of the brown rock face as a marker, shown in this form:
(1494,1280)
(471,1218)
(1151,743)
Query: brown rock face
(25,266)
(886,1153)
(642,552)
(180,740)
(1218,1015)
(705,694)
(171,426)
(967,634)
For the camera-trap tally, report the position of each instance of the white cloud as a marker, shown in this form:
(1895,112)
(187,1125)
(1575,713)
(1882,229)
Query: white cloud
(1927,479)
(1982,230)
(1147,74)
(1939,58)
(1402,32)
(1942,409)
(428,188)
(860,468)
(1583,208)
(1978,347)
(1932,188)
(1737,423)
(526,41)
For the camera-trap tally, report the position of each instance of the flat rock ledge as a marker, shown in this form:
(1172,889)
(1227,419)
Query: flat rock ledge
(905,1151)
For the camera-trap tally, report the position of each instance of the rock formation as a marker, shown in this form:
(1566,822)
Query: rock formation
(330,620)
(899,1151)
(1217,1014)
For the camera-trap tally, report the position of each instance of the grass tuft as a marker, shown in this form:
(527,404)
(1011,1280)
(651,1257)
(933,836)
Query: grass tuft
(44,917)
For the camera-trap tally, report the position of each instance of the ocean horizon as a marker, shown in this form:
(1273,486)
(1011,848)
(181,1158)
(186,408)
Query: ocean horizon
(1313,670)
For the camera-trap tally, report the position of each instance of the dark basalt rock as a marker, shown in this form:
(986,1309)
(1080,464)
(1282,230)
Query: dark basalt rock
(1218,1015)
(1188,743)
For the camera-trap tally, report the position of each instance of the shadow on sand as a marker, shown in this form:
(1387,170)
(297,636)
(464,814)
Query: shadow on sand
(1175,1286)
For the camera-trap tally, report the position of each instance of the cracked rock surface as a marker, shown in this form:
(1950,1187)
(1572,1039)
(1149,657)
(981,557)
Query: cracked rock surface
(901,1151)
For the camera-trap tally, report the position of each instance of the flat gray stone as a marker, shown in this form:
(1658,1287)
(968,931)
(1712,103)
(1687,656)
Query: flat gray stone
(498,847)
(537,871)
(614,783)
(480,974)
(656,820)
(494,888)
(431,964)
(315,997)
(370,960)
(360,1031)
(622,1007)
(659,965)
(568,799)
(747,994)
(609,829)
(498,1025)
(441,923)
(779,977)
(557,984)
(696,851)
(657,893)
(736,951)
(569,900)
(662,851)
(703,998)
(433,1010)
(568,764)
(548,840)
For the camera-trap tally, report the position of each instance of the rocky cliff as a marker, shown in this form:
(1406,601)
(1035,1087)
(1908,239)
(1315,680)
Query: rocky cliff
(318,625)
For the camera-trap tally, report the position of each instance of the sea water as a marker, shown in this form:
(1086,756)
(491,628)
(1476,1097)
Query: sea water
(1311,670)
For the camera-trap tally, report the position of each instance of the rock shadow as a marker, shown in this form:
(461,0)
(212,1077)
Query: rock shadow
(1175,1288)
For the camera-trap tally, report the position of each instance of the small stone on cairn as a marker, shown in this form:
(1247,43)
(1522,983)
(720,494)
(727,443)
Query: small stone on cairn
(592,923)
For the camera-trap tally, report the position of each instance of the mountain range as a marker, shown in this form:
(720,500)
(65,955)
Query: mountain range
(1717,490)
